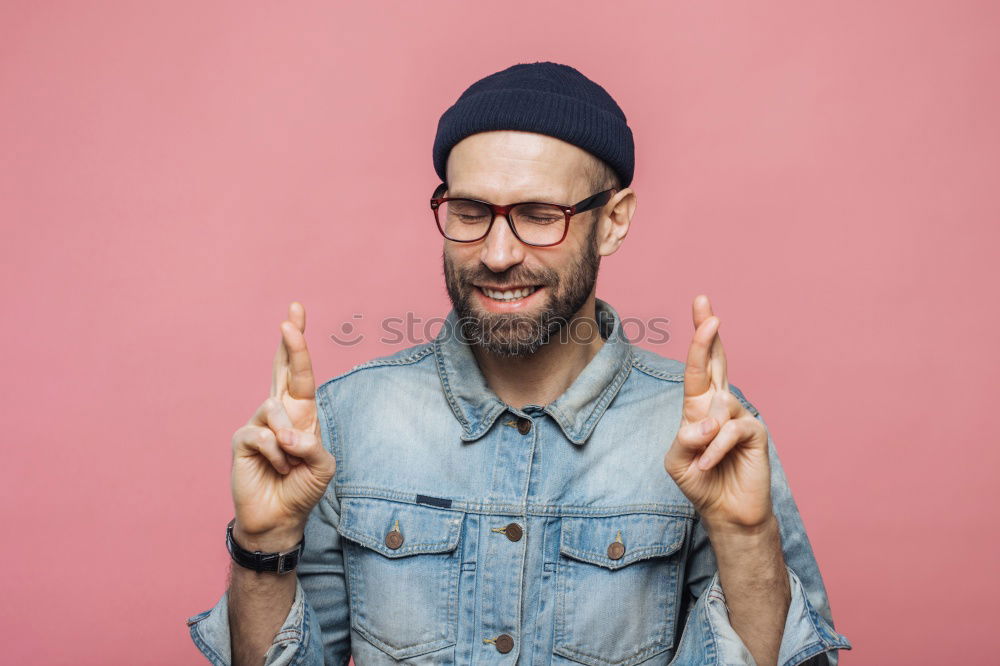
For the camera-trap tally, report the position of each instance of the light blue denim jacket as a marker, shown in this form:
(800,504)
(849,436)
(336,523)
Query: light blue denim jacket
(424,447)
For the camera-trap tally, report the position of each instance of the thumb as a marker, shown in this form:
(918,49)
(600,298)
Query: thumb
(691,440)
(309,447)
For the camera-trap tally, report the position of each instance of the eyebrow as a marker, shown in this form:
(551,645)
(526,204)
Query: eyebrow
(538,199)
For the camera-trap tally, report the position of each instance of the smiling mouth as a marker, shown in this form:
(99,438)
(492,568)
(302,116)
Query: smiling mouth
(504,295)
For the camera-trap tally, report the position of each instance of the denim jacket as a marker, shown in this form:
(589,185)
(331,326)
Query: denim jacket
(461,530)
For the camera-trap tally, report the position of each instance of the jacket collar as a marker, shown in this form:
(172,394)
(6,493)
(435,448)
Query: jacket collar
(576,411)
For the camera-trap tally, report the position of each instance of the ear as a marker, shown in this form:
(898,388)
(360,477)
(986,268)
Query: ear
(614,220)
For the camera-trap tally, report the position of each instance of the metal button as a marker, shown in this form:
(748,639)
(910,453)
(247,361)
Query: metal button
(394,539)
(504,643)
(513,532)
(616,550)
(523,426)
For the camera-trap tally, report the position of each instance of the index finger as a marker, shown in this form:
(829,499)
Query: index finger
(701,310)
(279,369)
(292,369)
(301,383)
(697,370)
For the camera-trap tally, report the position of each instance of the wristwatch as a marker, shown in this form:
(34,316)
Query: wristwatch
(270,562)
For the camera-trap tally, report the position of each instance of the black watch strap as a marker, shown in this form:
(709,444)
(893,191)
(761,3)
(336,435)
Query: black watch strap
(254,559)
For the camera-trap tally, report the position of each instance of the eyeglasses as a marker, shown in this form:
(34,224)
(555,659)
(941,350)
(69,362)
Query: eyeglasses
(533,223)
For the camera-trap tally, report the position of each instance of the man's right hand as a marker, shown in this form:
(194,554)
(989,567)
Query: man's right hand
(280,468)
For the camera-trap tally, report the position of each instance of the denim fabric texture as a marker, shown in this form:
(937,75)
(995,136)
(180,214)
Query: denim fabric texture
(423,446)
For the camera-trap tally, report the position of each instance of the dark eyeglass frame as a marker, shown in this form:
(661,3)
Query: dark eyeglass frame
(590,203)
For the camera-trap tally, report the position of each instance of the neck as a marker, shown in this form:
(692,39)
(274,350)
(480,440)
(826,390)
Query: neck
(545,375)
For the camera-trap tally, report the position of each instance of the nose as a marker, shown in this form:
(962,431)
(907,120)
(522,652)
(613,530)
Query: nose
(501,248)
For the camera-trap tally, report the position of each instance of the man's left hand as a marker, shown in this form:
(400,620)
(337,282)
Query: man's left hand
(719,457)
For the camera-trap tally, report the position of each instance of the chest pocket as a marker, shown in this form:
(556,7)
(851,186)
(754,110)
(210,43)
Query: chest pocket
(618,587)
(403,568)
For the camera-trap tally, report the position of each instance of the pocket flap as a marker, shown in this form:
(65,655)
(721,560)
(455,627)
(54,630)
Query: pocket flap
(424,529)
(641,535)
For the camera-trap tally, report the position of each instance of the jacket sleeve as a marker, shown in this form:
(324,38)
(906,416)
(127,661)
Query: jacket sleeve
(809,636)
(316,630)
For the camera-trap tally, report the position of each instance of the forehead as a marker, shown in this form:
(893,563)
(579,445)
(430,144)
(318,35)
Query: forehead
(509,166)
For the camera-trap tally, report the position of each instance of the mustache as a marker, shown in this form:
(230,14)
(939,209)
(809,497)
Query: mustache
(512,277)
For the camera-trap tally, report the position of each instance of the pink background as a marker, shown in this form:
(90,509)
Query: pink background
(173,173)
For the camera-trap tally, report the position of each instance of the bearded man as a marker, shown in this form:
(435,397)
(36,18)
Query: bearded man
(529,487)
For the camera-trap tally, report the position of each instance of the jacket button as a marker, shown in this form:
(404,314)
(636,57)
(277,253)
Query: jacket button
(394,539)
(523,426)
(504,643)
(514,532)
(616,550)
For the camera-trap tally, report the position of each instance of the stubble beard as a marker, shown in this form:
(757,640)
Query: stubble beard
(516,335)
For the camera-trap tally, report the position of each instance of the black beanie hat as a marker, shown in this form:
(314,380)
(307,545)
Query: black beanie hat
(543,97)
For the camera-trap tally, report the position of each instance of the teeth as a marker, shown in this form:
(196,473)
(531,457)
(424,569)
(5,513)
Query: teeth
(508,295)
